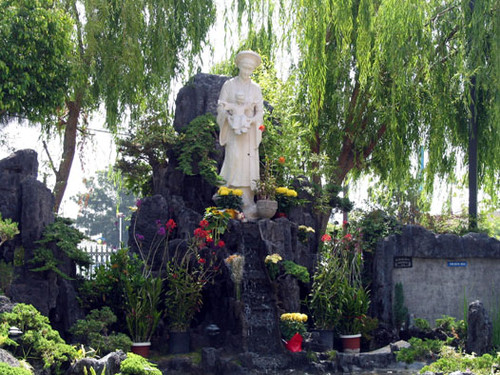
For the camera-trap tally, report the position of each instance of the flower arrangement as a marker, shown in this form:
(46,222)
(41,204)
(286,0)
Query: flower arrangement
(236,264)
(229,198)
(286,199)
(271,262)
(304,232)
(292,323)
(276,267)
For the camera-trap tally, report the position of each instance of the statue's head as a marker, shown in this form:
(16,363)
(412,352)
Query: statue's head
(248,60)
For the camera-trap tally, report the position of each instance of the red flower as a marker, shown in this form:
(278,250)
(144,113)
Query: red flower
(345,223)
(262,128)
(281,214)
(326,237)
(348,236)
(221,244)
(209,239)
(202,261)
(281,160)
(170,225)
(203,224)
(200,233)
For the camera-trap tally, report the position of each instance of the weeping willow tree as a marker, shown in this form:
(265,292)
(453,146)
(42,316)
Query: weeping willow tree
(125,55)
(377,81)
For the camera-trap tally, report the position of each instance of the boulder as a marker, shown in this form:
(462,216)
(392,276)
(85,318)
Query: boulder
(110,363)
(479,329)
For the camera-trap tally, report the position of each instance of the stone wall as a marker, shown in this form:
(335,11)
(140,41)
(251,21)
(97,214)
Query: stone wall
(440,274)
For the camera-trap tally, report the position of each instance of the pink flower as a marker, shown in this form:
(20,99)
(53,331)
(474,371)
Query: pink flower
(161,231)
(326,237)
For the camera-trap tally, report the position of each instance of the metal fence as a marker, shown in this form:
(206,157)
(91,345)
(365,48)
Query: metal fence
(100,254)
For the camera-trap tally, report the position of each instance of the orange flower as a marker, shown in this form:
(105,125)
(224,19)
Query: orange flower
(281,160)
(262,128)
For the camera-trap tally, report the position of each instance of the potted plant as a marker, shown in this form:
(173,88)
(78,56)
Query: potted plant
(293,328)
(286,198)
(324,298)
(355,302)
(187,273)
(229,200)
(337,297)
(266,193)
(143,311)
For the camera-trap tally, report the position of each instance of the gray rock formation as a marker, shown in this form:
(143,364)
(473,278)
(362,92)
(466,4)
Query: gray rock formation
(30,203)
(8,358)
(479,329)
(110,364)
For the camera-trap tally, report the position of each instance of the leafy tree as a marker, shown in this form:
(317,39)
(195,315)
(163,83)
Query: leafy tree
(99,207)
(125,55)
(376,81)
(35,58)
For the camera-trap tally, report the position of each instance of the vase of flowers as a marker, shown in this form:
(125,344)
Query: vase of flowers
(229,199)
(236,264)
(291,325)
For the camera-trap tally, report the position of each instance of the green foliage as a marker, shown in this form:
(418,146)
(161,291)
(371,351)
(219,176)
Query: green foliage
(422,325)
(296,270)
(456,331)
(452,360)
(400,310)
(6,276)
(8,229)
(420,350)
(495,318)
(338,299)
(136,365)
(107,286)
(197,153)
(35,58)
(374,225)
(6,369)
(66,238)
(144,152)
(39,341)
(143,296)
(93,331)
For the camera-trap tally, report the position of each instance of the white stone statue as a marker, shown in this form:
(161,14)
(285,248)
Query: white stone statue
(239,116)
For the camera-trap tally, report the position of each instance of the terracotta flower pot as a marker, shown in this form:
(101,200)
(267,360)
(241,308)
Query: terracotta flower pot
(351,343)
(141,348)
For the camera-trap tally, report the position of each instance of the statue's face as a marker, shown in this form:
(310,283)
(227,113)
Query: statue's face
(246,69)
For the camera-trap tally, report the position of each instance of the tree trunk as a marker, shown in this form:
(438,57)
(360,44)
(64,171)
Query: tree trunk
(69,148)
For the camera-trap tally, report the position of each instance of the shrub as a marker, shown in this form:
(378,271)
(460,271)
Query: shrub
(6,369)
(420,350)
(137,365)
(93,331)
(39,341)
(452,360)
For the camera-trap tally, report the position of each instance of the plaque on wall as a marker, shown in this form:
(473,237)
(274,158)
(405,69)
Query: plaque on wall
(457,264)
(403,262)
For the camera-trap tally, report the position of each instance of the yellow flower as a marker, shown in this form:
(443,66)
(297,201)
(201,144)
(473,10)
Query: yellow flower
(223,191)
(282,190)
(291,193)
(294,317)
(238,192)
(275,258)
